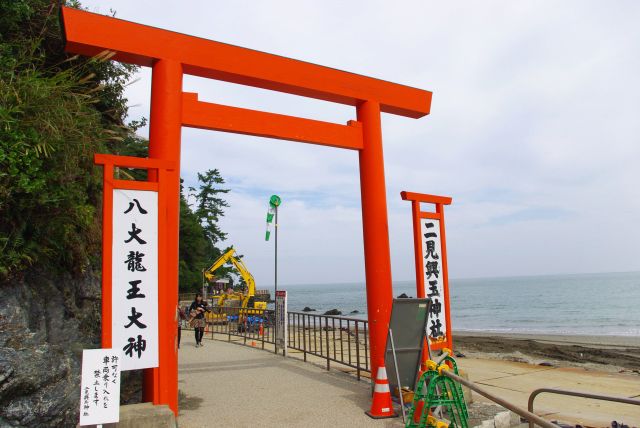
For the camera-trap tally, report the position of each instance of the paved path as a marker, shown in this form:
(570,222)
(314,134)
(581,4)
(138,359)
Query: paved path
(231,385)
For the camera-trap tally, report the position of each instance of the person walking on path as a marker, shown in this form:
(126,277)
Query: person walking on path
(196,312)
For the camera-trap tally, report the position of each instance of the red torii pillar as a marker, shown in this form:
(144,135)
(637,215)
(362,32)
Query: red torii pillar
(165,127)
(171,55)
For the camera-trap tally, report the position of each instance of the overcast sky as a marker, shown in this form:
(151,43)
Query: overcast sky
(534,131)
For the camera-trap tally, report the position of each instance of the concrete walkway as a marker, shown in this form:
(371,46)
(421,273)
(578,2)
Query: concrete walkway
(231,385)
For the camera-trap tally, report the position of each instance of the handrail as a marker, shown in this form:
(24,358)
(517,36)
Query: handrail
(315,334)
(329,316)
(309,333)
(525,414)
(538,391)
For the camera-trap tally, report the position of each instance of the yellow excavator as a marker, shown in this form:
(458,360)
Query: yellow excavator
(239,299)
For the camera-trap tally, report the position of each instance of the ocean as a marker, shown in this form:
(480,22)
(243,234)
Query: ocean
(581,304)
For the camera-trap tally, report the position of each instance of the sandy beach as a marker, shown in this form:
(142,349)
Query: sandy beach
(605,353)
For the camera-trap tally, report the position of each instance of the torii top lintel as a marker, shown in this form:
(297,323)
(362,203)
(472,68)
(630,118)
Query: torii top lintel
(89,34)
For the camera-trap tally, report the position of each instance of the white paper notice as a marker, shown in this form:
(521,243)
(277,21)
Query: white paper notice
(100,387)
(135,278)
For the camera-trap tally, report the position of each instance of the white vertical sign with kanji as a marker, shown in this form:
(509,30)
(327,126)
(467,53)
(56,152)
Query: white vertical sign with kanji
(135,278)
(100,387)
(281,321)
(433,279)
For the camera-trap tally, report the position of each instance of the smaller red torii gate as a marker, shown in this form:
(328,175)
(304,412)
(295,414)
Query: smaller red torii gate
(439,284)
(171,55)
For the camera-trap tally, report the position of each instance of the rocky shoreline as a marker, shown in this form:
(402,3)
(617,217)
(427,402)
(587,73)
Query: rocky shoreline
(605,353)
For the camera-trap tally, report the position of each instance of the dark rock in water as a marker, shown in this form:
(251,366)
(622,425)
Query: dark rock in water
(333,312)
(46,321)
(355,312)
(403,296)
(545,364)
(308,309)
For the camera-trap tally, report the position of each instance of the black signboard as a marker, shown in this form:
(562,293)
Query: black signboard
(408,323)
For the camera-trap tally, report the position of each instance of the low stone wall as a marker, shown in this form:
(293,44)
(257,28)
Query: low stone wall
(145,415)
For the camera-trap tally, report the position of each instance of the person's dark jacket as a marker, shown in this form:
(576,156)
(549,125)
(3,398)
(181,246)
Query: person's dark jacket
(202,305)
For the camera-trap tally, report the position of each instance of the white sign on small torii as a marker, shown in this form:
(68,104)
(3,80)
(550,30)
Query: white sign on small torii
(433,278)
(134,322)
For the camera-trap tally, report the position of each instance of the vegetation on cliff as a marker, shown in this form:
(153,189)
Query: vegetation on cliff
(56,112)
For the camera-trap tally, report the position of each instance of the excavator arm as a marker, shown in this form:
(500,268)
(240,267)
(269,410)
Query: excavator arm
(230,256)
(248,279)
(208,273)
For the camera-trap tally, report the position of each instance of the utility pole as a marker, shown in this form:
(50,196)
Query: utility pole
(274,203)
(275,279)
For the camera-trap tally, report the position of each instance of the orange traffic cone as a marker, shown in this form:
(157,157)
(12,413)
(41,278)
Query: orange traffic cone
(261,331)
(381,406)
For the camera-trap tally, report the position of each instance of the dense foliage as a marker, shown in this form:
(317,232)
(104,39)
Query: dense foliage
(199,230)
(56,112)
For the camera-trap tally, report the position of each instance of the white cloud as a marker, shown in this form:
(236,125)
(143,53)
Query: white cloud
(533,131)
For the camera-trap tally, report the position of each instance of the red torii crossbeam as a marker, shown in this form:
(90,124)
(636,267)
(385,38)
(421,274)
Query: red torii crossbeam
(171,55)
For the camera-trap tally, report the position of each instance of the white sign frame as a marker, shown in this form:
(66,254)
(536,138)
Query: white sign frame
(432,273)
(134,293)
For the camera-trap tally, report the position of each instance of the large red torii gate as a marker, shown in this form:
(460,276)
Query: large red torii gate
(171,55)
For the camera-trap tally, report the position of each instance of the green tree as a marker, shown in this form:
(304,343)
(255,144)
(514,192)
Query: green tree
(194,247)
(210,205)
(200,231)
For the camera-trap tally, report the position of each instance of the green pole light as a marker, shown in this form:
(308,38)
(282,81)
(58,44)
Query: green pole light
(274,203)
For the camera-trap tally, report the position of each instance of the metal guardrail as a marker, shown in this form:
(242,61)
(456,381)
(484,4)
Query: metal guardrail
(536,392)
(343,340)
(532,418)
(252,325)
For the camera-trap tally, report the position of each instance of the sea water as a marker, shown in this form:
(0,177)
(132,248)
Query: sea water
(582,304)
